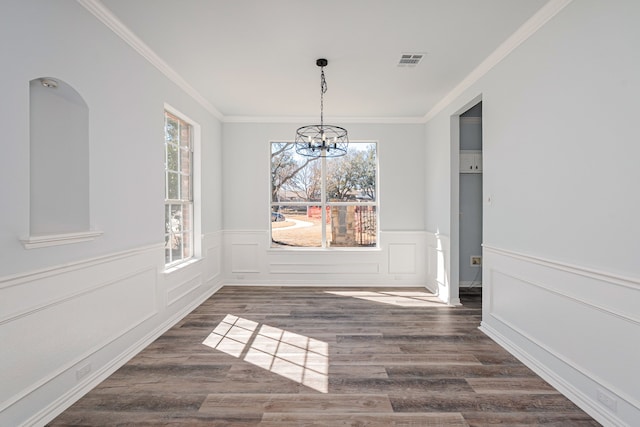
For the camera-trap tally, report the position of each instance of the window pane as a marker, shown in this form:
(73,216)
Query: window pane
(293,177)
(171,129)
(185,160)
(185,187)
(173,186)
(167,219)
(185,135)
(167,249)
(185,214)
(296,226)
(172,157)
(352,177)
(353,226)
(186,245)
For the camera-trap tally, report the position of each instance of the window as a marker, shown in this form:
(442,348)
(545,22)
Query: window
(178,205)
(324,202)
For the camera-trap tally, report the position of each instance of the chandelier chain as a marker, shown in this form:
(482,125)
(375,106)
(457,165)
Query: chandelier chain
(323,90)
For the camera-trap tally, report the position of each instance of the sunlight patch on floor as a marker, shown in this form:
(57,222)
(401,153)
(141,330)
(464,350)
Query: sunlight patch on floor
(398,298)
(296,357)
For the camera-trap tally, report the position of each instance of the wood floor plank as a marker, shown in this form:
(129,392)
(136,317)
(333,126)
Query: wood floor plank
(511,386)
(304,403)
(363,420)
(296,356)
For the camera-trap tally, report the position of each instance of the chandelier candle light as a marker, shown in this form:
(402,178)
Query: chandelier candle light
(322,140)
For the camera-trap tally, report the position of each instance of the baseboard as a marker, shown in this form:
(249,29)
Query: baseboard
(66,400)
(582,400)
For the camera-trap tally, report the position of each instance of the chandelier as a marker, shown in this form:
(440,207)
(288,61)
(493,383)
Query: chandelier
(322,140)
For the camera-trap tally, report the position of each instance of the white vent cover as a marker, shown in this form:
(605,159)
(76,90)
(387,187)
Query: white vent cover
(410,59)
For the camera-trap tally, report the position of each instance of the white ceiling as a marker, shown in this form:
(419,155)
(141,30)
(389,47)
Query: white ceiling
(256,58)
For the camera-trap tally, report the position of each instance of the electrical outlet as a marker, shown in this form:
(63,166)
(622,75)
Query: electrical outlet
(83,371)
(607,400)
(475,261)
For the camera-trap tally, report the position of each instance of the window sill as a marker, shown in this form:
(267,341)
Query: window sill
(45,240)
(181,265)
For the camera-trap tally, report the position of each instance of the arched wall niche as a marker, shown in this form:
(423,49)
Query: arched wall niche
(59,164)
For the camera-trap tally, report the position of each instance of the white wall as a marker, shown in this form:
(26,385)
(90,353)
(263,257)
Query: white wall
(71,314)
(403,243)
(561,272)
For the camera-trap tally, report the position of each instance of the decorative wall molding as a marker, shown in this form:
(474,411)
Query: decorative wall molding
(183,289)
(141,318)
(250,260)
(615,279)
(575,394)
(558,319)
(72,395)
(74,295)
(105,16)
(635,320)
(17,279)
(309,119)
(35,242)
(82,297)
(324,268)
(533,24)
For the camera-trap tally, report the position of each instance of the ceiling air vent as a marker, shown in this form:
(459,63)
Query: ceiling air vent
(410,59)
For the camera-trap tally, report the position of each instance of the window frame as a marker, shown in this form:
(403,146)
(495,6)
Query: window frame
(324,203)
(191,202)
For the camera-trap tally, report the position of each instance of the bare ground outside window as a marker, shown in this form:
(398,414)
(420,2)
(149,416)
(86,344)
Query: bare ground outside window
(298,230)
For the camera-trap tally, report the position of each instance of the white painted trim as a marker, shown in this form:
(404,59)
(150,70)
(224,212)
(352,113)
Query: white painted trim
(533,24)
(45,240)
(183,289)
(584,401)
(75,361)
(20,278)
(66,400)
(601,308)
(299,119)
(105,16)
(31,310)
(627,282)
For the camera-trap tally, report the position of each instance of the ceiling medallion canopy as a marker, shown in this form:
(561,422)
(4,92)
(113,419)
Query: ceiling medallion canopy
(321,140)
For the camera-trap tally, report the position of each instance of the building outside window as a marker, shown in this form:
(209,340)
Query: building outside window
(178,209)
(324,202)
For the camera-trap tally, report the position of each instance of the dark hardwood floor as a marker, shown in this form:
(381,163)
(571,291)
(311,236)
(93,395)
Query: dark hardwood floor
(281,356)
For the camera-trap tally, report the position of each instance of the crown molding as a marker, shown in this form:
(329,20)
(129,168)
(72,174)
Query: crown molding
(314,119)
(104,15)
(533,24)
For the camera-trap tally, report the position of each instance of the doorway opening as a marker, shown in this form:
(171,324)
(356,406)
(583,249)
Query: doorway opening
(466,256)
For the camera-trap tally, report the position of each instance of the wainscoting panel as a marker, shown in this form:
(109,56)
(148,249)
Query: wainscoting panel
(183,289)
(245,258)
(323,268)
(576,327)
(402,258)
(399,260)
(66,328)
